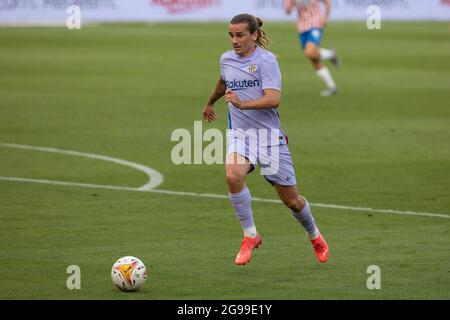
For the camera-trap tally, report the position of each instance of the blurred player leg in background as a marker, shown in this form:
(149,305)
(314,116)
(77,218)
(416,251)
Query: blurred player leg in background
(316,55)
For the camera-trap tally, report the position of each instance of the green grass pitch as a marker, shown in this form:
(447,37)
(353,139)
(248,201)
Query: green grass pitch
(120,90)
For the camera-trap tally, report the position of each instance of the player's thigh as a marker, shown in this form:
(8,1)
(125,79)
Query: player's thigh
(240,158)
(237,166)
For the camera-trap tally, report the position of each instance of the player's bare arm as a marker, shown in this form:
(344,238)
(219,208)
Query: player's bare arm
(270,99)
(218,92)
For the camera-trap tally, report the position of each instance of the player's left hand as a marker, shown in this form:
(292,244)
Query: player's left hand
(325,21)
(231,96)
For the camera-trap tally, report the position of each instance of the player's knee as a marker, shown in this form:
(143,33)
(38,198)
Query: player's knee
(296,204)
(311,54)
(234,179)
(292,203)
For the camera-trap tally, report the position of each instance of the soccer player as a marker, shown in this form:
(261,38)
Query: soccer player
(250,80)
(310,24)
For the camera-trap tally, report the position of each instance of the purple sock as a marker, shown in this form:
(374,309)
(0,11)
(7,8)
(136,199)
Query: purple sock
(307,221)
(242,205)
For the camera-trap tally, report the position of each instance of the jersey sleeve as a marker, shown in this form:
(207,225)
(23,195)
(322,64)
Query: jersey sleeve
(270,73)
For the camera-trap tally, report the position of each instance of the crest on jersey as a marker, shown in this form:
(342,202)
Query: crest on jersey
(252,68)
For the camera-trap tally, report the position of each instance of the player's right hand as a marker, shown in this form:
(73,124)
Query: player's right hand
(208,113)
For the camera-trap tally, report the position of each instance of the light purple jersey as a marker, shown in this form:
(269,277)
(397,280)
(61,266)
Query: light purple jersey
(248,77)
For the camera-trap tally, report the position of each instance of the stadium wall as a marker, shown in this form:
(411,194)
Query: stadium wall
(55,11)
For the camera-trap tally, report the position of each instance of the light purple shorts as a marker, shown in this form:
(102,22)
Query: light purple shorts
(275,162)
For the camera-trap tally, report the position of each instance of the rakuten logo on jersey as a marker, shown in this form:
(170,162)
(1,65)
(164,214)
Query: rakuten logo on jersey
(242,84)
(184,6)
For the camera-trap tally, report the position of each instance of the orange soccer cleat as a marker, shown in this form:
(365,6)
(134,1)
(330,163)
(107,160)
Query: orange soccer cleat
(320,248)
(247,246)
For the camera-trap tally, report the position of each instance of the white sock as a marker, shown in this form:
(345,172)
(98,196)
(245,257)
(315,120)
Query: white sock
(325,75)
(314,236)
(326,54)
(250,232)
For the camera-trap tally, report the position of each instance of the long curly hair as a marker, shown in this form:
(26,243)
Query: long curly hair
(254,24)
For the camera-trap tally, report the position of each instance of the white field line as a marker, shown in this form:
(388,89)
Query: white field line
(220,196)
(155,178)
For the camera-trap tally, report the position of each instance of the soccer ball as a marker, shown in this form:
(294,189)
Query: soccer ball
(129,273)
